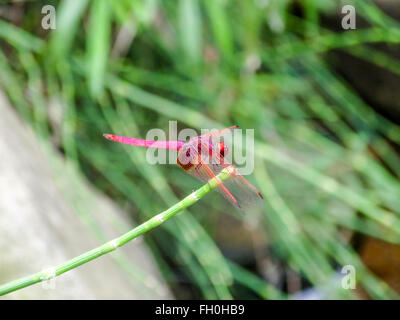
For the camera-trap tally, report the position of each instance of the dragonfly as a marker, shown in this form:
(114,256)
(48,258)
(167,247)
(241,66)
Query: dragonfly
(203,157)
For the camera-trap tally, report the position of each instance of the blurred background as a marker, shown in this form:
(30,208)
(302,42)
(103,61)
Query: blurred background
(325,106)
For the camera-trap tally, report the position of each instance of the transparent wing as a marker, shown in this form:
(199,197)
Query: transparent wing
(215,135)
(204,173)
(237,189)
(245,193)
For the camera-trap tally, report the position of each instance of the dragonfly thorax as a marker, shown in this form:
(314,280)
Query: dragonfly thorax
(198,151)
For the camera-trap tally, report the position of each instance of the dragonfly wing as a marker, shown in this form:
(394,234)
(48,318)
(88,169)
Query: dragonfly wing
(244,192)
(215,135)
(208,164)
(203,172)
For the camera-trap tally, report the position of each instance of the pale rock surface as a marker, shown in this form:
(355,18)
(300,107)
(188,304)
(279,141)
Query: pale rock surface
(49,214)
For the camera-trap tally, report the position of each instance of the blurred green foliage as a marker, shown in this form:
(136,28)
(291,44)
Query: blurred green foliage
(325,160)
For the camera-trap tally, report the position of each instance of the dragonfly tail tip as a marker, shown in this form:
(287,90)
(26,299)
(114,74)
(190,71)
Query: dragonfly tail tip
(107,136)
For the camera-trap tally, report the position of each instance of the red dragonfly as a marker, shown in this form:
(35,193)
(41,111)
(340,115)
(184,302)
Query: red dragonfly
(203,158)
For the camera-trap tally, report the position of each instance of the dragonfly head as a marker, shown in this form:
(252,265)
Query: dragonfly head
(196,151)
(186,156)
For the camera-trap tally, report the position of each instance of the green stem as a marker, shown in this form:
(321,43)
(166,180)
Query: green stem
(117,242)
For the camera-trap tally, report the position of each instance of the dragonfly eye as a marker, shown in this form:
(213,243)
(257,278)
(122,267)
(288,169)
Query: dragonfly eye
(223,149)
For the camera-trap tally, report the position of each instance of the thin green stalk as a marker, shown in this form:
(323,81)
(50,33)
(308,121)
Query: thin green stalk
(117,242)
